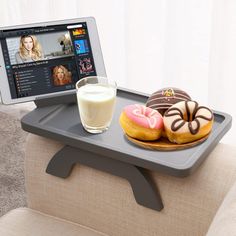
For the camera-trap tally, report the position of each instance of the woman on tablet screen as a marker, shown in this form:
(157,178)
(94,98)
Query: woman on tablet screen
(29,50)
(61,76)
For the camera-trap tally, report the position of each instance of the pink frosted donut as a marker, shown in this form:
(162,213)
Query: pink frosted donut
(141,122)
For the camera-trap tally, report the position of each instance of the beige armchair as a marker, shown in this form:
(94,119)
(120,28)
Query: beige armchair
(91,202)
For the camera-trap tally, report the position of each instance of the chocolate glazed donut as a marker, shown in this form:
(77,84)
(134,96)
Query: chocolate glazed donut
(188,119)
(164,98)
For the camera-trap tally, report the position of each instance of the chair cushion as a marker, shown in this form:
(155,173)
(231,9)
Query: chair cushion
(28,222)
(224,222)
(106,202)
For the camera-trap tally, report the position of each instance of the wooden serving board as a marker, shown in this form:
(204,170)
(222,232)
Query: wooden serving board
(163,144)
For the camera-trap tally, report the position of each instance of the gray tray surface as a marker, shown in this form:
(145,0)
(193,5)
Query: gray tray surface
(62,123)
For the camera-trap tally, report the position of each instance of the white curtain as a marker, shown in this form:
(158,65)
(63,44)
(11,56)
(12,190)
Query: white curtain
(147,45)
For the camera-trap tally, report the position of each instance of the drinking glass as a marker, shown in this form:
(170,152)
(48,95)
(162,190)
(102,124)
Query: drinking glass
(96,97)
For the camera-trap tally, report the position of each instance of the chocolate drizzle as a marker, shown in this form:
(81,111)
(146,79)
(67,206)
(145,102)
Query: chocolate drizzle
(195,110)
(187,111)
(175,128)
(191,129)
(179,112)
(204,117)
(191,117)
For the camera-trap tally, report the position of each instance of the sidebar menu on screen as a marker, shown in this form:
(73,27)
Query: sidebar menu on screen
(82,50)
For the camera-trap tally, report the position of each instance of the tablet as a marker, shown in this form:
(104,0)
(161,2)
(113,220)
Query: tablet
(47,59)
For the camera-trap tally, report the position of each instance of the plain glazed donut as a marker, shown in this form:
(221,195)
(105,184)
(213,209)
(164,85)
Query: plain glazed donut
(141,122)
(186,121)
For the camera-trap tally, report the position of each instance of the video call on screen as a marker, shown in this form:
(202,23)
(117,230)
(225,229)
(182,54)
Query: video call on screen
(46,59)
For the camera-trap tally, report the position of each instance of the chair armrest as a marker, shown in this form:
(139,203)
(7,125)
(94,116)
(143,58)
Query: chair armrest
(106,203)
(224,222)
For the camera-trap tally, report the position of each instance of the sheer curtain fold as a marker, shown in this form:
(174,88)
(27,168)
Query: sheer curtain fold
(152,44)
(110,18)
(29,11)
(222,62)
(168,45)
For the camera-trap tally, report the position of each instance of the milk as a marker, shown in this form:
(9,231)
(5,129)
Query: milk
(96,104)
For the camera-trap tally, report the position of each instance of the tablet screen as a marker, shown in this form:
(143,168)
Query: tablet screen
(48,59)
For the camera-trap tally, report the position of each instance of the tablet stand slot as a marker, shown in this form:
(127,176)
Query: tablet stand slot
(55,100)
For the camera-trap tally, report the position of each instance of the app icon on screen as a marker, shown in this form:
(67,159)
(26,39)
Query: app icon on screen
(76,32)
(81,46)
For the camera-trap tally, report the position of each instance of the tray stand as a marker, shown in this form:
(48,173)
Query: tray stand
(61,164)
(128,162)
(144,190)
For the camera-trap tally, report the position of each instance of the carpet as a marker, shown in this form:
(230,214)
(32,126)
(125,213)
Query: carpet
(12,184)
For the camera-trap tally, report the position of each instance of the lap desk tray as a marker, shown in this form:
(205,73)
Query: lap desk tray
(111,151)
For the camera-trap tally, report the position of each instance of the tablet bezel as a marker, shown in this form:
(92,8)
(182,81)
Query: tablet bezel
(96,50)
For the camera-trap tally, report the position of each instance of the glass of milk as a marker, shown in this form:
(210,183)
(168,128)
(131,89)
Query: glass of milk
(96,101)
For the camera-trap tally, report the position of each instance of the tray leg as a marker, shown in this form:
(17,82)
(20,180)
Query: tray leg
(145,192)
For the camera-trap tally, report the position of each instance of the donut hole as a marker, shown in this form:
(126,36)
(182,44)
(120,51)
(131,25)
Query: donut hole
(189,117)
